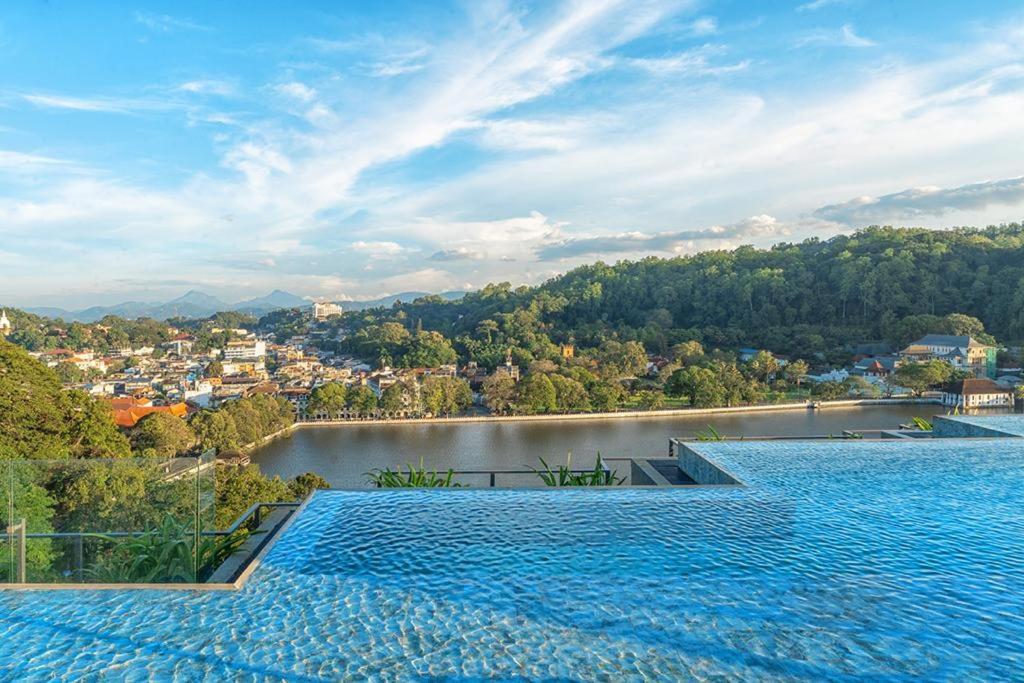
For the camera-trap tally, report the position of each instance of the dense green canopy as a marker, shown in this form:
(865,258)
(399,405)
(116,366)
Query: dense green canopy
(39,420)
(877,284)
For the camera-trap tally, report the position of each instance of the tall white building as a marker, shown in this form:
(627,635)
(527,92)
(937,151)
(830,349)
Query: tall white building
(325,309)
(5,324)
(247,349)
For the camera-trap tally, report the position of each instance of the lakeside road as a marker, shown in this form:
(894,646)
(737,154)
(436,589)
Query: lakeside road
(345,453)
(623,414)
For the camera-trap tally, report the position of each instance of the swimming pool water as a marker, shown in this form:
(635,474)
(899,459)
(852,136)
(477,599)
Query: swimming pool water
(837,560)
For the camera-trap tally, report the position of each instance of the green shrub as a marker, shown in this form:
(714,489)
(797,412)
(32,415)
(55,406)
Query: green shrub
(413,478)
(564,476)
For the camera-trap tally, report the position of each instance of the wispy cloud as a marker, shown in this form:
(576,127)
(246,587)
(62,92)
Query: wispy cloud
(925,201)
(208,87)
(755,227)
(693,62)
(296,91)
(844,36)
(166,23)
(459,254)
(110,105)
(819,4)
(331,171)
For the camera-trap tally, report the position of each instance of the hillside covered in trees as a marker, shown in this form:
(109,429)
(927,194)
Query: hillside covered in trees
(889,284)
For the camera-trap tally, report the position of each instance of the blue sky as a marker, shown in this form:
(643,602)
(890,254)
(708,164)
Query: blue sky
(349,150)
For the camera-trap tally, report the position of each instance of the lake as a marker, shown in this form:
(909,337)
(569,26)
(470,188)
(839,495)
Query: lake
(343,454)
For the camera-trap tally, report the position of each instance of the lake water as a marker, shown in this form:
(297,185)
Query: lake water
(343,454)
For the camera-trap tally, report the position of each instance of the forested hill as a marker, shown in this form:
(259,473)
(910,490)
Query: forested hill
(799,297)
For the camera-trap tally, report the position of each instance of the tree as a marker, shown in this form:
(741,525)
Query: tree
(445,395)
(238,487)
(214,369)
(570,395)
(362,400)
(162,435)
(606,396)
(249,422)
(622,360)
(69,373)
(430,350)
(395,398)
(686,351)
(39,419)
(919,377)
(537,395)
(304,484)
(698,384)
(650,400)
(487,328)
(796,371)
(328,399)
(499,392)
(763,365)
(829,390)
(215,429)
(860,387)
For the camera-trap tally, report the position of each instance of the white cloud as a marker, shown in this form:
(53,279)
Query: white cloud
(296,91)
(457,254)
(683,241)
(81,104)
(379,248)
(615,173)
(166,23)
(815,5)
(693,62)
(925,201)
(208,87)
(845,36)
(705,26)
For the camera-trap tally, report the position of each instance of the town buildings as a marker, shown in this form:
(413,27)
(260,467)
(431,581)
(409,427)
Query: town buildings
(969,394)
(325,309)
(961,351)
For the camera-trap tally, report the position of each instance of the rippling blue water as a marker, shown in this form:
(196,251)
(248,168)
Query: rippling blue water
(837,560)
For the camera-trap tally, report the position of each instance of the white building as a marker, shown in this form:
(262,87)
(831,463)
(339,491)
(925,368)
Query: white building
(247,349)
(5,324)
(977,393)
(325,309)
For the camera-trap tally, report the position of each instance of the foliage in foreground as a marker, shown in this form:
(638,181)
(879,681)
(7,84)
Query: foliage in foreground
(921,424)
(167,553)
(413,478)
(564,476)
(710,434)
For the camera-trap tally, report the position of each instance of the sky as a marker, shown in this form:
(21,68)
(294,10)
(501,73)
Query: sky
(352,150)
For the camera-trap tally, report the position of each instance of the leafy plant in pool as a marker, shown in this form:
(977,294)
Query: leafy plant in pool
(563,475)
(413,478)
(167,553)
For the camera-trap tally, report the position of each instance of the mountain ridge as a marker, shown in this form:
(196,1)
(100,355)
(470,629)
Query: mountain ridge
(198,304)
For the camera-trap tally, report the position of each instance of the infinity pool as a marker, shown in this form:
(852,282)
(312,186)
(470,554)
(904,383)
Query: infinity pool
(836,560)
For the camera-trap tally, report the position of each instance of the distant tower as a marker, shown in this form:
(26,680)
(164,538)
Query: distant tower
(5,324)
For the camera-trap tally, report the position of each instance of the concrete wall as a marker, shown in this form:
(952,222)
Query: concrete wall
(699,468)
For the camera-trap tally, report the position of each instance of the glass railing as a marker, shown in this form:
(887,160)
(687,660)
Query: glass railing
(126,520)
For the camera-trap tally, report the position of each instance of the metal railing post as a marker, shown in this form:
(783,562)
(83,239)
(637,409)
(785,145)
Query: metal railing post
(79,557)
(19,528)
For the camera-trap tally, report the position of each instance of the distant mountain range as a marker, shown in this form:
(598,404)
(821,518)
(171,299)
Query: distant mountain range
(194,304)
